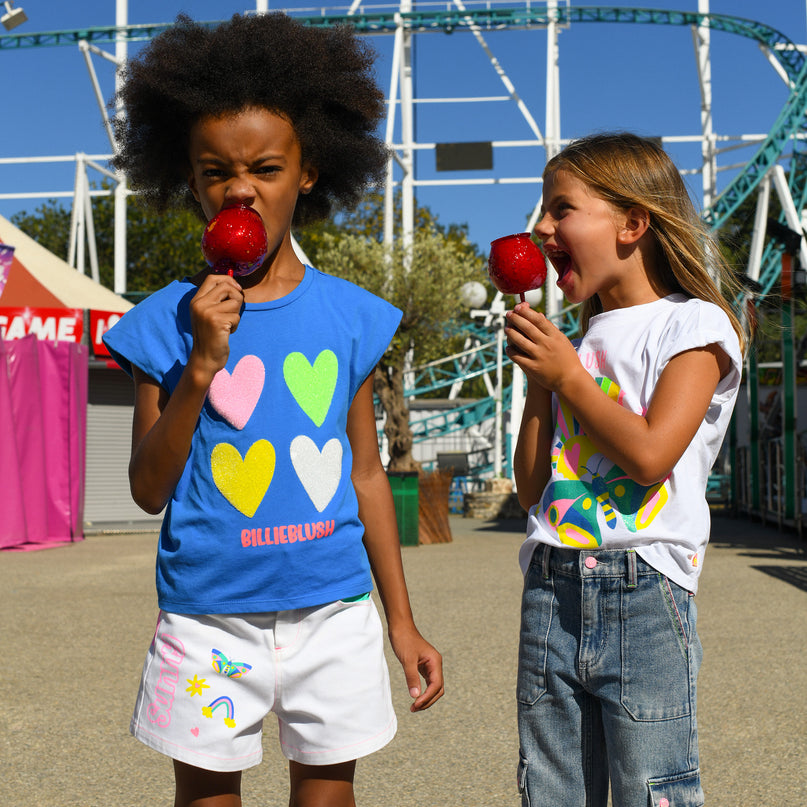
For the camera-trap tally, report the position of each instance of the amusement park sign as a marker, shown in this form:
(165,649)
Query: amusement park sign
(56,325)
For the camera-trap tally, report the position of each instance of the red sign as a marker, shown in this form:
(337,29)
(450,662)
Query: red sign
(48,324)
(100,323)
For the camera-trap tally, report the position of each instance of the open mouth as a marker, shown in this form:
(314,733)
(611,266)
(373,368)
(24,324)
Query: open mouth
(561,261)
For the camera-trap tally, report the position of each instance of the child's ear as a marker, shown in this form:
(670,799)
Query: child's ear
(308,178)
(192,186)
(635,225)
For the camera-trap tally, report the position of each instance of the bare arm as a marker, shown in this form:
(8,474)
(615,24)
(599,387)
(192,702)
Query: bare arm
(377,513)
(163,426)
(646,447)
(531,464)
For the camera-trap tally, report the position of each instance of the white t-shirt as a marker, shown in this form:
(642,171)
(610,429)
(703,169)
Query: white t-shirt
(589,502)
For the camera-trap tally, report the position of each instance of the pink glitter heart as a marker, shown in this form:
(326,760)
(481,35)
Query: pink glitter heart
(195,732)
(235,396)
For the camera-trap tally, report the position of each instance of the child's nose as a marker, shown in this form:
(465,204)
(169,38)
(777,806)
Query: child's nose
(542,230)
(240,190)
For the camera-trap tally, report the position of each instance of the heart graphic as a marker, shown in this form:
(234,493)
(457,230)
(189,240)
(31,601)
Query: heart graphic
(235,396)
(312,386)
(195,731)
(319,471)
(243,482)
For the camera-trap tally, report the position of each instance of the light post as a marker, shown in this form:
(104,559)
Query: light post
(13,16)
(474,295)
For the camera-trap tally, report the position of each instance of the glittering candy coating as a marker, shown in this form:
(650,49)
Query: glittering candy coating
(235,241)
(516,264)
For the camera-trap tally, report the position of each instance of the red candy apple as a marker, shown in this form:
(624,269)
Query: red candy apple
(234,241)
(516,264)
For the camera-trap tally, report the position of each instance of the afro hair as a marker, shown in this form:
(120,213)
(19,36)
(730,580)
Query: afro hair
(320,80)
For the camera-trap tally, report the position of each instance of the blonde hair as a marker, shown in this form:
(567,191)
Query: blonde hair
(631,171)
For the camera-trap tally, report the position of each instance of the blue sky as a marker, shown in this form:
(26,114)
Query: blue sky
(638,77)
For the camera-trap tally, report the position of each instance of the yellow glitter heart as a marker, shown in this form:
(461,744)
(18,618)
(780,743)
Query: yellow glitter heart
(243,482)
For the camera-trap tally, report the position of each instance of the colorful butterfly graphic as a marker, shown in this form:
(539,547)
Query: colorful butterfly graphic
(591,484)
(232,669)
(572,505)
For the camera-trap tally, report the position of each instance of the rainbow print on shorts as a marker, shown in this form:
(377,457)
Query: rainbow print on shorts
(222,703)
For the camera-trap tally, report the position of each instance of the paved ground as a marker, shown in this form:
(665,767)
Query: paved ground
(77,620)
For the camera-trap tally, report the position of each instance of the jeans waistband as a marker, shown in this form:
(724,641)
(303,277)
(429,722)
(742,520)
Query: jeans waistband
(621,563)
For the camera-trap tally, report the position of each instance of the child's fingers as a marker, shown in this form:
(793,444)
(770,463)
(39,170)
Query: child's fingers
(217,304)
(219,290)
(431,668)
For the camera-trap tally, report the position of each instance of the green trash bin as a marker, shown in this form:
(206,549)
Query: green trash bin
(404,486)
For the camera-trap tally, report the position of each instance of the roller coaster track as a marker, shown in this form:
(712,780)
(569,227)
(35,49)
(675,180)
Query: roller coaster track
(791,122)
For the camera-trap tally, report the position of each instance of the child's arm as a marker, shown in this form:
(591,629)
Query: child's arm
(377,513)
(645,446)
(163,425)
(531,465)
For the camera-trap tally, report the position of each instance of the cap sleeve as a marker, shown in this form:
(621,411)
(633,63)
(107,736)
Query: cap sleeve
(700,324)
(155,335)
(380,321)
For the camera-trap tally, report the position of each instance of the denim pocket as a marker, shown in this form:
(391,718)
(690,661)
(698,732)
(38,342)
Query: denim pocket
(537,606)
(660,650)
(683,790)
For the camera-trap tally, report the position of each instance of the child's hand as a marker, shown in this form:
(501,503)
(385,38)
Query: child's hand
(215,314)
(539,348)
(418,658)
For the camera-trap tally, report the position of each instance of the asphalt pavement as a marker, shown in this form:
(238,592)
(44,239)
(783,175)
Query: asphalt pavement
(76,622)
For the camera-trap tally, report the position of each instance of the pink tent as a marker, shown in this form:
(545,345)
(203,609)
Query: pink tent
(44,372)
(43,403)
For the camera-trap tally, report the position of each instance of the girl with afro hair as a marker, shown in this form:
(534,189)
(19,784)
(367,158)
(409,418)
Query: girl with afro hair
(254,426)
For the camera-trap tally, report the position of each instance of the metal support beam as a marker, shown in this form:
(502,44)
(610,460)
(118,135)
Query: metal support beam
(702,37)
(407,135)
(121,53)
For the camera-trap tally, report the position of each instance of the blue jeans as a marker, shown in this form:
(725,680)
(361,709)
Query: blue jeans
(608,662)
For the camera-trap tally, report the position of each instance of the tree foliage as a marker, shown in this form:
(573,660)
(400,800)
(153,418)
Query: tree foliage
(159,248)
(367,220)
(423,281)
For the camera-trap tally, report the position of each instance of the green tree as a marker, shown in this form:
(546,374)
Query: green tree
(367,220)
(424,282)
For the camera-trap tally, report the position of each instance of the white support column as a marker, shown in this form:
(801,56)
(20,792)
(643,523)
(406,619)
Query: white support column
(702,40)
(552,138)
(75,212)
(760,226)
(78,233)
(86,49)
(792,216)
(121,52)
(392,108)
(89,228)
(407,135)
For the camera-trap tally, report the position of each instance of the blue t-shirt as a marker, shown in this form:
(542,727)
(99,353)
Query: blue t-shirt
(264,516)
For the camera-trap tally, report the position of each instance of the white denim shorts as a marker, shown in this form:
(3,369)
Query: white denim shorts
(209,681)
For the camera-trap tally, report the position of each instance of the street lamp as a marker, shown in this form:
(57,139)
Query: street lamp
(13,16)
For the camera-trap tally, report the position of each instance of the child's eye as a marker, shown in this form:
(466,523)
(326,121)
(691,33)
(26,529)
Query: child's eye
(267,169)
(212,173)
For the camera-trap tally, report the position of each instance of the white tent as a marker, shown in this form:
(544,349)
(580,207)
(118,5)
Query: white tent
(35,268)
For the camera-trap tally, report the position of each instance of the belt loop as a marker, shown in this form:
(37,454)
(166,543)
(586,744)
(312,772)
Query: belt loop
(545,561)
(631,558)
